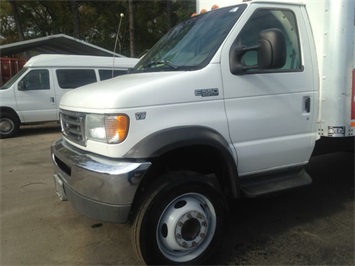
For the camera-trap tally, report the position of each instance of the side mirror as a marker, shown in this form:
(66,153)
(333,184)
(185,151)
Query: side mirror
(21,85)
(272,49)
(270,52)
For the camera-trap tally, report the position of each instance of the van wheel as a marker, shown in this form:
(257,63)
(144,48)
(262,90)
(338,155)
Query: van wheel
(180,221)
(9,125)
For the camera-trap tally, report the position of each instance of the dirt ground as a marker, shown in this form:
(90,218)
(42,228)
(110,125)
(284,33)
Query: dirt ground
(313,225)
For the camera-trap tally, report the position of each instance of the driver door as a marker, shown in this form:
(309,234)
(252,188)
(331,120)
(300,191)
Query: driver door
(271,112)
(35,96)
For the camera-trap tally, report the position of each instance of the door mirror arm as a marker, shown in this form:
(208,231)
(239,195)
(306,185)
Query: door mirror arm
(236,54)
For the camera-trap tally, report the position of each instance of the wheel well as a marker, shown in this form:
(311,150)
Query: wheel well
(202,159)
(9,111)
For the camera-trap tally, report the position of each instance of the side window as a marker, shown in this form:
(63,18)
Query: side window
(73,78)
(35,80)
(264,19)
(107,74)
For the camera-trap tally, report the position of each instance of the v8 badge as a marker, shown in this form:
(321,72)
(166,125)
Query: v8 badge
(141,115)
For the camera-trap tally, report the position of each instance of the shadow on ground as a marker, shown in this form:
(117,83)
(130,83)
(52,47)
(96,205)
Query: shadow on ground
(311,225)
(30,130)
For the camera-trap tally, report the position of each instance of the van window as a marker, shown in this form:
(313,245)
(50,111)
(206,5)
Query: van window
(11,81)
(107,74)
(35,80)
(263,19)
(73,78)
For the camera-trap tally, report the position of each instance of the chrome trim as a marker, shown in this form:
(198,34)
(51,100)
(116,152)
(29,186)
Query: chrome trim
(73,126)
(97,181)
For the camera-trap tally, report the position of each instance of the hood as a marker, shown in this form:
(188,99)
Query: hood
(137,90)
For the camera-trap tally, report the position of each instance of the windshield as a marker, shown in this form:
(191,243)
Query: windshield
(11,81)
(191,44)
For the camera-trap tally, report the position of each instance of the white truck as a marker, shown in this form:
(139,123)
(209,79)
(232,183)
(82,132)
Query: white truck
(228,104)
(33,94)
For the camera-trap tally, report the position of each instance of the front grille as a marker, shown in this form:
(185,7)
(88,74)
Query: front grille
(73,126)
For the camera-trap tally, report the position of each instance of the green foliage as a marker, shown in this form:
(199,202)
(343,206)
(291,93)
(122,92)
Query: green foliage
(95,21)
(7,22)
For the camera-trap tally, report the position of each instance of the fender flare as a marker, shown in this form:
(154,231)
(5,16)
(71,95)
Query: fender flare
(170,139)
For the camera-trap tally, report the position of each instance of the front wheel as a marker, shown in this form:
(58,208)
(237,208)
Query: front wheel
(9,125)
(180,220)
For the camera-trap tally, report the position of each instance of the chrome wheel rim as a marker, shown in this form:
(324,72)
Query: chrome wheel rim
(186,227)
(6,125)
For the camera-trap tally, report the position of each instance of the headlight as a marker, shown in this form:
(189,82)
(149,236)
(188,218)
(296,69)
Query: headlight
(107,128)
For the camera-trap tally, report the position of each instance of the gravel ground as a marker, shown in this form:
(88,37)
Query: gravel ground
(313,225)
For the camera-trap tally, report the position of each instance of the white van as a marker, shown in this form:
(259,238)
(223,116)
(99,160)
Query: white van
(33,94)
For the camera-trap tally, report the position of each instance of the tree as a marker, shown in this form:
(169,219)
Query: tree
(131,28)
(74,7)
(18,21)
(168,14)
(96,22)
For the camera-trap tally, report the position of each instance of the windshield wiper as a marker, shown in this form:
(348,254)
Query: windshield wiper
(161,62)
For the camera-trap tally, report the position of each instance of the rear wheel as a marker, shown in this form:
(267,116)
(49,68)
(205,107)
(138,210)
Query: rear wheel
(180,220)
(9,125)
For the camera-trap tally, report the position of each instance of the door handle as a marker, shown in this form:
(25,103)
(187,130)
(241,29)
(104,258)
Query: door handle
(51,99)
(307,104)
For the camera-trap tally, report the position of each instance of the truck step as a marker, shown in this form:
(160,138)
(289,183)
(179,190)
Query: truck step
(257,186)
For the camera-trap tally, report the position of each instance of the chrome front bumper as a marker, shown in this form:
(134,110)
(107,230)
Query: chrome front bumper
(98,187)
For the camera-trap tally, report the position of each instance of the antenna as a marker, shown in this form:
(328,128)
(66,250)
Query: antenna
(114,49)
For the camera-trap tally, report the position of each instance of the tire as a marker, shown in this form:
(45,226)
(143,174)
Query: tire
(180,221)
(9,125)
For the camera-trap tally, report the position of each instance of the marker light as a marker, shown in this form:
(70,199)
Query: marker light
(116,128)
